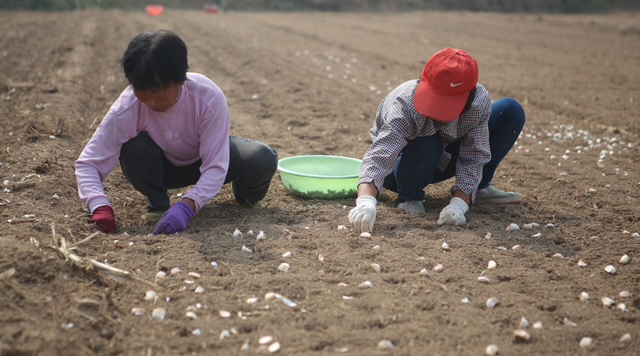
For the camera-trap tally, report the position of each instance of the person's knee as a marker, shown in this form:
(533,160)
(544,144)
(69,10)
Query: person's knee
(515,111)
(268,160)
(139,148)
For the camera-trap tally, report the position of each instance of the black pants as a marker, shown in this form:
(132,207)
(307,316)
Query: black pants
(251,166)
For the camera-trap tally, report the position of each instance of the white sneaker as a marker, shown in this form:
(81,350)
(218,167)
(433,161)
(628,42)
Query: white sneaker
(412,206)
(492,195)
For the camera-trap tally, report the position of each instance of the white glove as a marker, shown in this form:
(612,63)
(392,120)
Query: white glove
(364,214)
(453,214)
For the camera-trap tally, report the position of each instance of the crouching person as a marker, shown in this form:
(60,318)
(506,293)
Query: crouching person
(170,129)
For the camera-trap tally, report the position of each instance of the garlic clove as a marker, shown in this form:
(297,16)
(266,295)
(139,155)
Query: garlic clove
(445,246)
(492,265)
(483,279)
(586,342)
(224,314)
(492,302)
(524,323)
(159,313)
(491,350)
(625,294)
(607,302)
(150,295)
(284,267)
(365,284)
(274,347)
(581,263)
(376,267)
(195,275)
(237,233)
(423,272)
(245,249)
(626,338)
(584,296)
(537,325)
(286,254)
(624,259)
(261,236)
(521,335)
(365,235)
(385,345)
(438,268)
(267,339)
(610,269)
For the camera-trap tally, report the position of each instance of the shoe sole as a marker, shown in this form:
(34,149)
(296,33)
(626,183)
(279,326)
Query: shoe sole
(503,200)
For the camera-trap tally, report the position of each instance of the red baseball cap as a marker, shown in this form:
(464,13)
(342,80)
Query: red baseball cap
(445,83)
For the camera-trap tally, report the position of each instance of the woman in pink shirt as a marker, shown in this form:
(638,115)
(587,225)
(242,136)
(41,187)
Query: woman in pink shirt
(170,129)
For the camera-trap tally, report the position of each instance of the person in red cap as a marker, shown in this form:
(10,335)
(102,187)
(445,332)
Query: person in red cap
(441,126)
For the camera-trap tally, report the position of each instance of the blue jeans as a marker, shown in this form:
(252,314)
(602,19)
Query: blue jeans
(417,163)
(251,166)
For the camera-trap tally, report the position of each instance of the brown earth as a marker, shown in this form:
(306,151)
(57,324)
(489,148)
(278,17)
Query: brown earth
(318,78)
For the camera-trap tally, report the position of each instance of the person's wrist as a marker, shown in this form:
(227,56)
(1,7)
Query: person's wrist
(366,200)
(458,202)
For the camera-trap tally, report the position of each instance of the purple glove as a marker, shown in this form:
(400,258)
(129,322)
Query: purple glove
(175,219)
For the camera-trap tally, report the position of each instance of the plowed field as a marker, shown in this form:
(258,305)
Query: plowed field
(310,83)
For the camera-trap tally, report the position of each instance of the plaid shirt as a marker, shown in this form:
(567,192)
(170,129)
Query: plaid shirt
(398,122)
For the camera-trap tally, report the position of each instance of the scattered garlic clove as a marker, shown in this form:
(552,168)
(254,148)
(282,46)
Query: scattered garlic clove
(175,270)
(492,302)
(267,339)
(487,236)
(550,225)
(224,333)
(622,307)
(515,247)
(320,257)
(626,338)
(137,311)
(245,249)
(284,267)
(537,235)
(161,274)
(625,294)
(224,314)
(524,323)
(483,279)
(199,290)
(376,267)
(237,233)
(342,284)
(423,272)
(537,325)
(286,254)
(610,269)
(624,259)
(191,315)
(513,227)
(252,300)
(586,342)
(445,246)
(492,265)
(521,335)
(269,296)
(491,350)
(365,284)
(365,235)
(342,227)
(558,255)
(581,263)
(385,345)
(465,300)
(274,347)
(568,322)
(150,295)
(438,268)
(535,224)
(195,275)
(159,313)
(528,226)
(261,236)
(376,247)
(607,302)
(584,296)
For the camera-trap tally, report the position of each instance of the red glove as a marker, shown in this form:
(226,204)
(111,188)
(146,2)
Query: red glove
(103,217)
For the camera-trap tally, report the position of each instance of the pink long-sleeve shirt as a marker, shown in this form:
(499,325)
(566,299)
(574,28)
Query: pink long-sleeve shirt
(195,127)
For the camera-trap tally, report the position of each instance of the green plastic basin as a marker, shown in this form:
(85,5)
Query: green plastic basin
(320,176)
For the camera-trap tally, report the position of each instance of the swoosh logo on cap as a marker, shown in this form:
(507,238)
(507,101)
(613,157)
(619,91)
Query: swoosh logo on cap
(455,85)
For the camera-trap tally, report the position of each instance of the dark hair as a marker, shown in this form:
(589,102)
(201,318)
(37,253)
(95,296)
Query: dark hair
(470,99)
(155,59)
